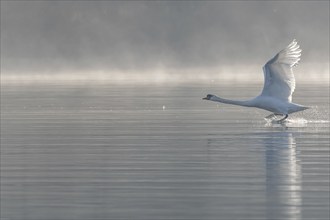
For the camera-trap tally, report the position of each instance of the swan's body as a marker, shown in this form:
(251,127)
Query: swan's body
(279,85)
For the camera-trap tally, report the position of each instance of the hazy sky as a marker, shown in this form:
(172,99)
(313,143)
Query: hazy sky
(60,36)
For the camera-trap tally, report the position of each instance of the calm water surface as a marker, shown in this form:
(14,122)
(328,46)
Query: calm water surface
(159,152)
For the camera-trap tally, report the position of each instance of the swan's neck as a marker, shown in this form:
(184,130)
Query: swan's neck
(247,103)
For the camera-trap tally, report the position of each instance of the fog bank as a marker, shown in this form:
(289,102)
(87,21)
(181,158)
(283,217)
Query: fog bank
(116,40)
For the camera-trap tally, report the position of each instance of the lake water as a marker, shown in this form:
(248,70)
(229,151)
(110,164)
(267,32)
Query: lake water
(153,152)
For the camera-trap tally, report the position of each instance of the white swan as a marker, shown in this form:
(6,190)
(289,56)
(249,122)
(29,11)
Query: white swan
(279,85)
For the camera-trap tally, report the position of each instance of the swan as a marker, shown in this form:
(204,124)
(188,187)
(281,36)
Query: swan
(279,84)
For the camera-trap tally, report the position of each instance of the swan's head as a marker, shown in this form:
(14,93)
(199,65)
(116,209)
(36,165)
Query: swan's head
(208,97)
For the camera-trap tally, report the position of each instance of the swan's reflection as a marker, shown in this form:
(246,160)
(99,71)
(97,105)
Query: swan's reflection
(283,176)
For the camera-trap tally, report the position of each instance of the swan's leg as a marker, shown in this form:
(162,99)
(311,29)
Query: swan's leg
(271,116)
(281,120)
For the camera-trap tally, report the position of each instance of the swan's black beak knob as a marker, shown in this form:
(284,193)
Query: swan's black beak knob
(208,97)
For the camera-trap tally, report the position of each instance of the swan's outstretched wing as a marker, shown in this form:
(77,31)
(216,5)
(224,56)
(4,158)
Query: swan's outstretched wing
(279,78)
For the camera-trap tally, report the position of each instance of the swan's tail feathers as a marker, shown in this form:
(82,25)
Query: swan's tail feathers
(296,108)
(302,108)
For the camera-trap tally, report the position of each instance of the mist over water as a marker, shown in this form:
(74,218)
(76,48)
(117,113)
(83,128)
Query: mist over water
(159,41)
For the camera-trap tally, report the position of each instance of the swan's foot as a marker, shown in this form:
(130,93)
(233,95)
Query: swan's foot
(272,117)
(283,119)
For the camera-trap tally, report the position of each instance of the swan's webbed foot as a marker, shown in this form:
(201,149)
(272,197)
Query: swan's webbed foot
(272,118)
(283,119)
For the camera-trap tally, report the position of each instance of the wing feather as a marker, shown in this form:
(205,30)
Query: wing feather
(279,79)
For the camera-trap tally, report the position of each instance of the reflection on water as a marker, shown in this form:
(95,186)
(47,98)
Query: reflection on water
(283,176)
(113,152)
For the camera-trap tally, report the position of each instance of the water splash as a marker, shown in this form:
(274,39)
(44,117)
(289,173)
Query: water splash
(292,122)
(297,123)
(319,121)
(314,116)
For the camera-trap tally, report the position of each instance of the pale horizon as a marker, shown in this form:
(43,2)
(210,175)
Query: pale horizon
(159,42)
